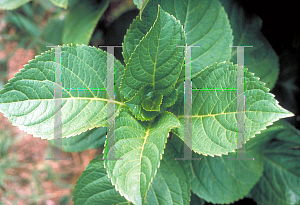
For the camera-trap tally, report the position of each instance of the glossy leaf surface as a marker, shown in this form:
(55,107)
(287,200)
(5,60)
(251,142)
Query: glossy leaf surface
(81,21)
(28,99)
(214,109)
(90,139)
(140,145)
(205,23)
(156,61)
(281,177)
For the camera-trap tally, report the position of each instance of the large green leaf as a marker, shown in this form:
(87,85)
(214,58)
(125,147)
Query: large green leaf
(82,20)
(52,32)
(156,61)
(140,145)
(205,23)
(261,59)
(90,139)
(12,4)
(259,142)
(172,183)
(219,179)
(60,3)
(94,186)
(222,180)
(28,99)
(281,177)
(214,112)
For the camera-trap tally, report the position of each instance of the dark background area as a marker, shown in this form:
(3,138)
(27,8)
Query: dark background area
(281,26)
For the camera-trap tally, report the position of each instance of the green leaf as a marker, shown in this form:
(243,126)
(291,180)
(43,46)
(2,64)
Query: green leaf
(195,200)
(28,99)
(156,61)
(261,59)
(177,143)
(135,105)
(281,177)
(10,5)
(82,20)
(258,143)
(144,4)
(169,100)
(94,186)
(52,32)
(204,21)
(140,145)
(138,3)
(90,139)
(152,101)
(171,184)
(24,23)
(214,111)
(178,107)
(223,181)
(60,3)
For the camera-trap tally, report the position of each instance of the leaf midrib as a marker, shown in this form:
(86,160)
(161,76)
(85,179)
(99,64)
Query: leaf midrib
(213,115)
(143,146)
(158,37)
(72,98)
(278,165)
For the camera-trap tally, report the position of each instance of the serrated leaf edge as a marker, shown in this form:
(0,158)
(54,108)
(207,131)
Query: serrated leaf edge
(51,51)
(151,180)
(268,93)
(129,59)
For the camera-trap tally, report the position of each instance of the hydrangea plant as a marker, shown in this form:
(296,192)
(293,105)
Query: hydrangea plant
(149,110)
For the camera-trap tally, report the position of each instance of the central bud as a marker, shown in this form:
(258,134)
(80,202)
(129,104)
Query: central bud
(152,100)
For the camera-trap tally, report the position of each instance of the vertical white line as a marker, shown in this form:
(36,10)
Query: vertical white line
(110,103)
(188,105)
(58,105)
(240,105)
(188,142)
